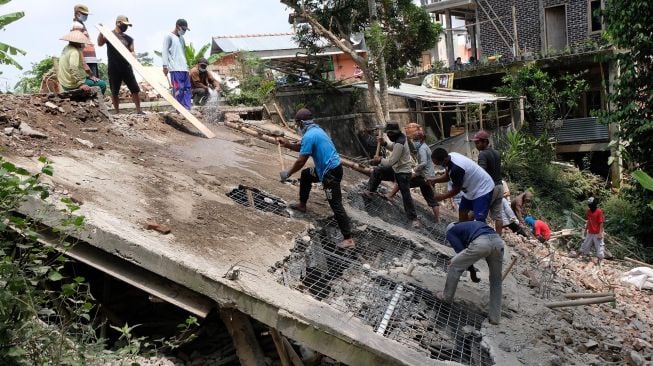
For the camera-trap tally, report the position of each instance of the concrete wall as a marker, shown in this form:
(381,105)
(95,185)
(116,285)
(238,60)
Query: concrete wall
(345,68)
(530,25)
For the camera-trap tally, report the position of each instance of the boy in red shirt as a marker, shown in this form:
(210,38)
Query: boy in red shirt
(594,230)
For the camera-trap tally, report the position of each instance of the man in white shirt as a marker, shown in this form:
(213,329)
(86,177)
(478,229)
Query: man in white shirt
(174,63)
(466,176)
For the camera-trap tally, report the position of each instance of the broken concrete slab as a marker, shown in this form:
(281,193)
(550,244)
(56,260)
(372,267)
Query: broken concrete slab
(26,130)
(86,143)
(153,225)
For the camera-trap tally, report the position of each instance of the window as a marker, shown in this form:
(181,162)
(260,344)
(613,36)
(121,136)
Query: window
(596,22)
(556,28)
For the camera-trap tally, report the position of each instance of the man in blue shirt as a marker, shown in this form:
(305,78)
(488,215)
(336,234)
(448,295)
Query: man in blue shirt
(317,144)
(475,240)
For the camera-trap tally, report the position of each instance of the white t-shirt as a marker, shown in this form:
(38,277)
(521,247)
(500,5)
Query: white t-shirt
(465,173)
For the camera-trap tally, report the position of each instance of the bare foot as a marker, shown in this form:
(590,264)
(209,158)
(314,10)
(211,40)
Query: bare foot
(439,295)
(345,244)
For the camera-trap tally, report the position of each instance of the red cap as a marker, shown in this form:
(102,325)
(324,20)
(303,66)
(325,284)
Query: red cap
(481,135)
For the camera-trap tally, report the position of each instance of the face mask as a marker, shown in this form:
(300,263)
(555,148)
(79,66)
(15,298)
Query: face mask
(417,143)
(123,27)
(203,68)
(82,17)
(181,31)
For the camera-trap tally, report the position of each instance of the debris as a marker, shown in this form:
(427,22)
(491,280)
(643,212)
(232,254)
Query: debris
(51,105)
(153,225)
(86,143)
(591,344)
(76,199)
(587,295)
(8,131)
(26,130)
(635,359)
(512,263)
(90,129)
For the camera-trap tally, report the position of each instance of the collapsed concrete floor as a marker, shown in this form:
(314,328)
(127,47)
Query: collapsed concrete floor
(135,170)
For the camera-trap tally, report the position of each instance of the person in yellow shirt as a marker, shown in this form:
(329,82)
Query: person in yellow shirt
(71,73)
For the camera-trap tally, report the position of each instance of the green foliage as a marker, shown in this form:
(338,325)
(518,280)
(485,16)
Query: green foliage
(31,80)
(404,30)
(193,55)
(41,310)
(7,51)
(547,98)
(629,27)
(256,85)
(145,59)
(645,181)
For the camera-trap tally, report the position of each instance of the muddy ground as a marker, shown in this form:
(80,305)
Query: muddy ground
(152,169)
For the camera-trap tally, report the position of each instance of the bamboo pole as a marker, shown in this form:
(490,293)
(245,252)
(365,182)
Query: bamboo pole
(638,262)
(480,116)
(596,300)
(441,120)
(346,162)
(587,295)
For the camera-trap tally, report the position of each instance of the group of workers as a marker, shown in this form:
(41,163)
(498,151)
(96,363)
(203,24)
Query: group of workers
(78,64)
(478,185)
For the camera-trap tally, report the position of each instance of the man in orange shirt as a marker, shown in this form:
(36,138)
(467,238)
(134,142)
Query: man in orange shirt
(594,230)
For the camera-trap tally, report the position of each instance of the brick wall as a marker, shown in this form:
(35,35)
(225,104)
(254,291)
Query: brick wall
(530,17)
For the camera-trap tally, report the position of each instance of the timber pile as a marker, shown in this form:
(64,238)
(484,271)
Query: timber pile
(603,315)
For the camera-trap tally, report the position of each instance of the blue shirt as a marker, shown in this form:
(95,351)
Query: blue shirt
(463,233)
(318,145)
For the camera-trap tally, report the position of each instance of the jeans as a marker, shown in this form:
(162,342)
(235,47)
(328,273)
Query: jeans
(490,247)
(380,174)
(331,185)
(593,240)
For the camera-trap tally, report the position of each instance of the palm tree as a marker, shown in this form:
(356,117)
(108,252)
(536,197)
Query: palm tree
(7,51)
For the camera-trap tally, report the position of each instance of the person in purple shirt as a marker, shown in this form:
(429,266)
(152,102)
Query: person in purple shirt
(472,241)
(317,144)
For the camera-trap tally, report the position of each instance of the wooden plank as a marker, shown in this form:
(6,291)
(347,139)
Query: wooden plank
(590,301)
(242,334)
(601,146)
(634,261)
(294,357)
(281,349)
(588,295)
(283,119)
(124,52)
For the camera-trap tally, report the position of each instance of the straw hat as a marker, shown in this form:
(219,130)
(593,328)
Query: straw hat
(77,37)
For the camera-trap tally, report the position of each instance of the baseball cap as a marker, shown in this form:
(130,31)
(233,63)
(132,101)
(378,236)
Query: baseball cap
(81,8)
(481,135)
(591,201)
(303,114)
(183,23)
(392,126)
(123,19)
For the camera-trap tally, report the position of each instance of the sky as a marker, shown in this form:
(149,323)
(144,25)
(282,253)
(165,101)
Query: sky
(46,21)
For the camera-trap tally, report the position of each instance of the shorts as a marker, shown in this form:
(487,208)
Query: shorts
(480,206)
(118,75)
(496,204)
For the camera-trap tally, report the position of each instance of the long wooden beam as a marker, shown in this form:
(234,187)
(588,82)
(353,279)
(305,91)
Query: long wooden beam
(124,52)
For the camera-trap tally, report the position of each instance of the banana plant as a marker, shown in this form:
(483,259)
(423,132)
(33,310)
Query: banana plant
(645,180)
(7,51)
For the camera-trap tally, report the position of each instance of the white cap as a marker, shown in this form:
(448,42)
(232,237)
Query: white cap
(591,200)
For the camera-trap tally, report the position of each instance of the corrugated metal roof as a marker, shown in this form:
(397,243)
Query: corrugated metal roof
(440,95)
(256,42)
(578,130)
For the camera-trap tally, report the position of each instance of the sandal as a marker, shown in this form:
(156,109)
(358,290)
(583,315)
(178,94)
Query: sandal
(297,207)
(346,244)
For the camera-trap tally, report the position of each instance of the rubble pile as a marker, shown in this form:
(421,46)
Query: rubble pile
(608,333)
(147,94)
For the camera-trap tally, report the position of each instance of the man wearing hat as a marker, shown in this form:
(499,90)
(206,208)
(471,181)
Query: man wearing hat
(174,63)
(71,73)
(201,80)
(90,59)
(119,69)
(396,167)
(317,144)
(490,160)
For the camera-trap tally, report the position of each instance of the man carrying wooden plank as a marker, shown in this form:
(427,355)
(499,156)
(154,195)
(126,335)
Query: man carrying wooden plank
(119,69)
(174,63)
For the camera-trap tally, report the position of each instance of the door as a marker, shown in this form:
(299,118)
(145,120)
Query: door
(556,28)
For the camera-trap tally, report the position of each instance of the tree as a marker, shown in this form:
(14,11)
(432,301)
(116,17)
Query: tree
(31,80)
(401,33)
(7,51)
(145,59)
(629,27)
(547,98)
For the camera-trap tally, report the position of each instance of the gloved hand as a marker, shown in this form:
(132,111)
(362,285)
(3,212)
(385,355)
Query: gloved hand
(284,175)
